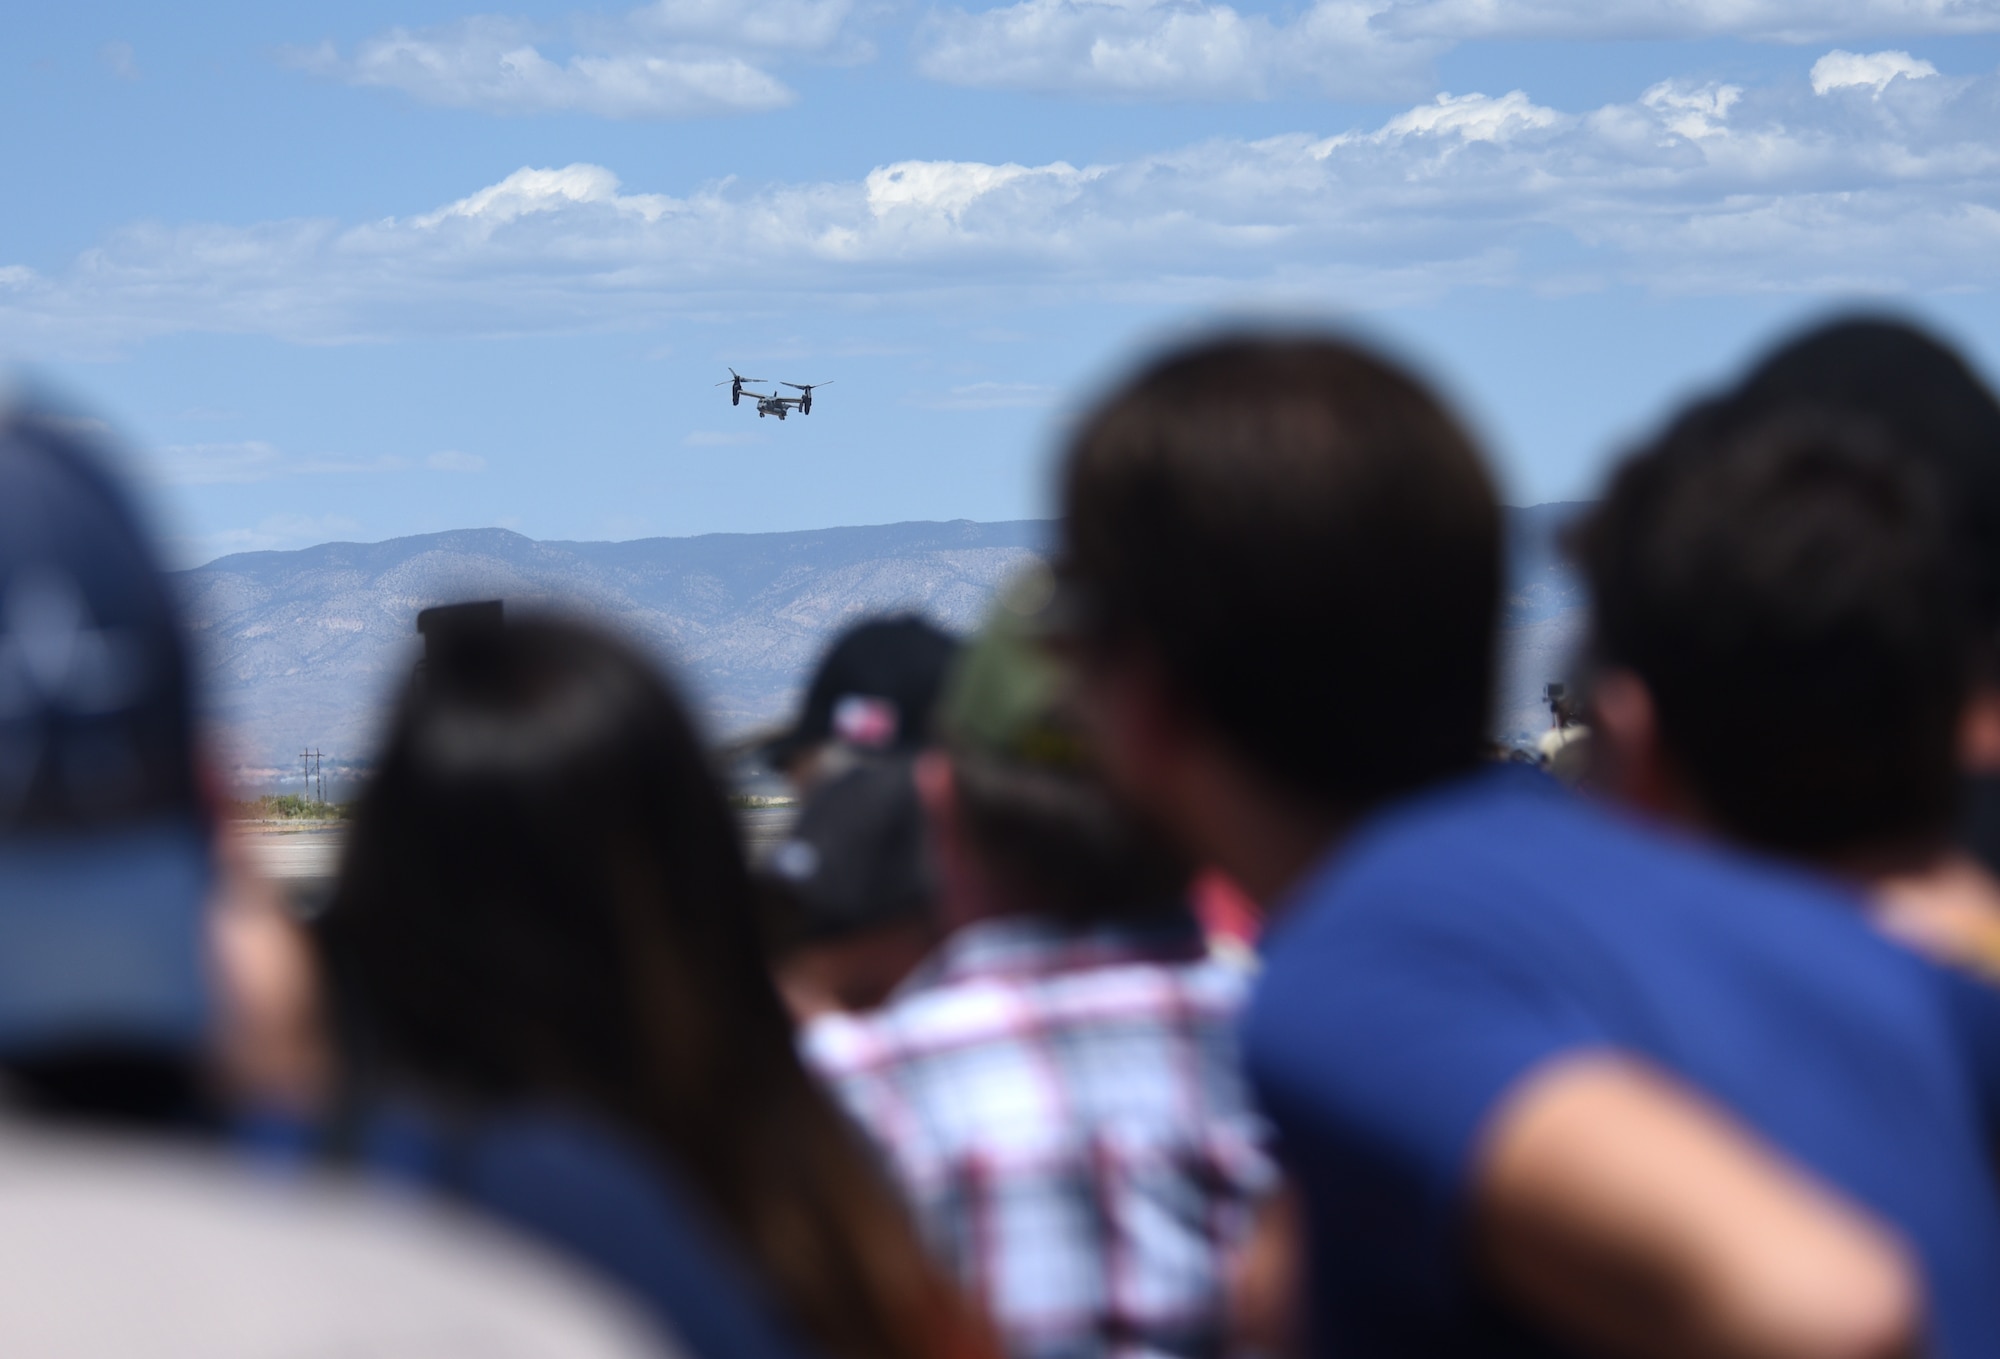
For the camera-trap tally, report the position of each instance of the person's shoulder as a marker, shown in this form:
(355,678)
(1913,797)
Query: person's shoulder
(912,1024)
(1519,844)
(1497,835)
(210,1259)
(1488,816)
(839,1044)
(1188,990)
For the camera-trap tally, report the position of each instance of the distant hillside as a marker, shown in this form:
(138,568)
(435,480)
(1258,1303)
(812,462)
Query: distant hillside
(303,648)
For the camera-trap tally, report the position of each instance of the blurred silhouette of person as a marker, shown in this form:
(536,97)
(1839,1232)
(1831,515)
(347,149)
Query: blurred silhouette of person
(1785,645)
(555,1006)
(124,1021)
(1911,388)
(1057,1086)
(1642,1097)
(873,694)
(847,900)
(851,895)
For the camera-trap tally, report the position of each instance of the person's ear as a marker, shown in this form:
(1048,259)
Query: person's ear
(1979,731)
(936,789)
(961,896)
(1628,760)
(1136,728)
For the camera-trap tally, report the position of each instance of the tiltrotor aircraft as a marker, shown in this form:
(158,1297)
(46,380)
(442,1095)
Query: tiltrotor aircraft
(772,403)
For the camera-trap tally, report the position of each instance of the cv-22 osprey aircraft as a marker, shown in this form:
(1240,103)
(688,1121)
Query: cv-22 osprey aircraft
(772,404)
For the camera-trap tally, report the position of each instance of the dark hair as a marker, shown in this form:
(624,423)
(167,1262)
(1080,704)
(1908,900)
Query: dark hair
(1927,398)
(1785,586)
(543,895)
(1306,540)
(1058,840)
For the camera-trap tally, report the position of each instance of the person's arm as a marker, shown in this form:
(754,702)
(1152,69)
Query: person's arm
(1264,1279)
(1623,1209)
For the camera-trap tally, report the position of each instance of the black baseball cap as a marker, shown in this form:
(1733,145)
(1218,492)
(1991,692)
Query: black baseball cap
(105,862)
(876,690)
(858,857)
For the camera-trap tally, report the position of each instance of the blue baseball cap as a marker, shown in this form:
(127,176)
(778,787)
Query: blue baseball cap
(105,852)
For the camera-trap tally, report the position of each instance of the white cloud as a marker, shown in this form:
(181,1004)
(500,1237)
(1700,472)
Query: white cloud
(670,59)
(1839,70)
(1780,20)
(1358,49)
(452,460)
(1692,111)
(1182,49)
(1689,186)
(1472,117)
(684,58)
(763,25)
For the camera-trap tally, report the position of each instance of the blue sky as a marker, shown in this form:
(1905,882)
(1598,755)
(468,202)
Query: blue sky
(394,266)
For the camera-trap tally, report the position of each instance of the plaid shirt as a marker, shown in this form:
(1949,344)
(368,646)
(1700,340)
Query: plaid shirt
(1067,1115)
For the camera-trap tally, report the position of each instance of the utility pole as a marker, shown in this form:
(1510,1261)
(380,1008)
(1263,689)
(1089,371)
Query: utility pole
(309,770)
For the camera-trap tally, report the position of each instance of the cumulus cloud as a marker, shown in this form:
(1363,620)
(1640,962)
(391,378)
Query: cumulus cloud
(1839,70)
(669,59)
(1359,49)
(682,58)
(1690,185)
(1183,49)
(1779,20)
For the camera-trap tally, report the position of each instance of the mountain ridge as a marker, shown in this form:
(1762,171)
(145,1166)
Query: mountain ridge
(306,647)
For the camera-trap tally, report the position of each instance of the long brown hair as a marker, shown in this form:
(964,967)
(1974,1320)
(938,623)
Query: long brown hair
(544,896)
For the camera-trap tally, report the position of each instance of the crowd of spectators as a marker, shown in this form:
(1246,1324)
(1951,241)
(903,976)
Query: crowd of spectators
(1127,985)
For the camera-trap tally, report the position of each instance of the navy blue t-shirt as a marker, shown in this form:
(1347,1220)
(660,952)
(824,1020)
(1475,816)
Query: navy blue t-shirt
(1468,935)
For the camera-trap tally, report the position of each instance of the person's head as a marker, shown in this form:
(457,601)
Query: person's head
(1909,382)
(543,898)
(850,896)
(106,865)
(873,694)
(1781,639)
(1921,393)
(1281,563)
(1023,819)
